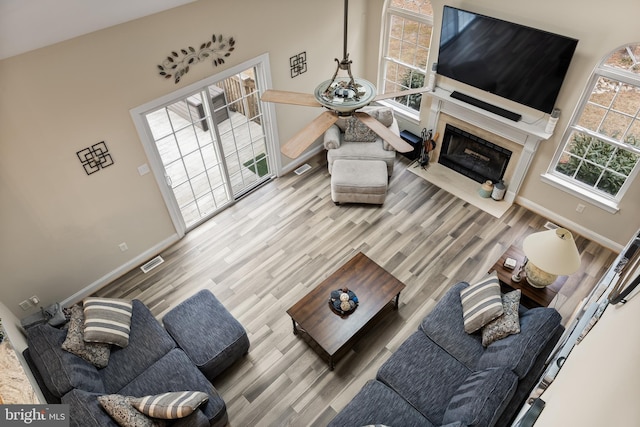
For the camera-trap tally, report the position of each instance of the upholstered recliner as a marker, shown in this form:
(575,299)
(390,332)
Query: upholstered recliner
(350,139)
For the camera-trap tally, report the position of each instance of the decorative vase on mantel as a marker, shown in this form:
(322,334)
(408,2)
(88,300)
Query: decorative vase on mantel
(486,189)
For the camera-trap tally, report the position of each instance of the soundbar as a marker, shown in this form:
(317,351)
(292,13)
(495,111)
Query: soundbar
(486,106)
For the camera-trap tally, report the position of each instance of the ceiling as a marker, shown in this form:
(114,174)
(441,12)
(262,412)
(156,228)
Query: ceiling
(31,24)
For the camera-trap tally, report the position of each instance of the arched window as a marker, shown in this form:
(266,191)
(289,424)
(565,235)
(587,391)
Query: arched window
(407,35)
(599,158)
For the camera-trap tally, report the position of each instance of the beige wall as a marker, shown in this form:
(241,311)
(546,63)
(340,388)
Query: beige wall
(61,228)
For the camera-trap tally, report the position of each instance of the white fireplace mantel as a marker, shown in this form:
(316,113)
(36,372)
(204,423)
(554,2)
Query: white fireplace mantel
(524,133)
(521,132)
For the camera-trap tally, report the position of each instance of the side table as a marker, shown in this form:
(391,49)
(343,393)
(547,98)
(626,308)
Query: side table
(531,297)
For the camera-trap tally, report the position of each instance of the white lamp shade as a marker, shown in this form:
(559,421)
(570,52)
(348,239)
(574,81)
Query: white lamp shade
(553,251)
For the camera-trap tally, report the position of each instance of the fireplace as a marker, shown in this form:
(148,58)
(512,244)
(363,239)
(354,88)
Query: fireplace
(473,156)
(516,142)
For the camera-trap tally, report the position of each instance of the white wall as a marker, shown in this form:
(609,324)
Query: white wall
(599,384)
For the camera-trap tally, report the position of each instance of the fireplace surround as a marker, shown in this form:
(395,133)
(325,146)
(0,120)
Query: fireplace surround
(521,138)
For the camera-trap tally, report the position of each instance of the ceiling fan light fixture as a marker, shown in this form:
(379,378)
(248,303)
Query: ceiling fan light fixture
(343,96)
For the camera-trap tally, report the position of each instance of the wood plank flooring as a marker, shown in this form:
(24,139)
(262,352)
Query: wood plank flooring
(268,250)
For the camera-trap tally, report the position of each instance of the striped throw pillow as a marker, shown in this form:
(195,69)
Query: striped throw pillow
(107,320)
(172,405)
(481,303)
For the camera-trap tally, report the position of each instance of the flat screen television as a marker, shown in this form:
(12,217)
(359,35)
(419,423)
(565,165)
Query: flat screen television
(520,63)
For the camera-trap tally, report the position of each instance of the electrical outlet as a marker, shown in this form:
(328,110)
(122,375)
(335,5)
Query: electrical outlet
(143,169)
(123,246)
(26,305)
(34,300)
(580,208)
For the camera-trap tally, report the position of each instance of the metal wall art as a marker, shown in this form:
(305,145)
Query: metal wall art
(177,64)
(298,64)
(95,157)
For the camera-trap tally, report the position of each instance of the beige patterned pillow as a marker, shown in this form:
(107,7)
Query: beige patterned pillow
(357,131)
(107,320)
(170,405)
(481,303)
(120,409)
(94,353)
(505,325)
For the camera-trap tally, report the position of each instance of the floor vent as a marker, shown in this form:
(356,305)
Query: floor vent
(302,169)
(152,264)
(550,226)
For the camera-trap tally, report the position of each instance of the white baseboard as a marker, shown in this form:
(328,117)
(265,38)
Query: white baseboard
(564,222)
(123,269)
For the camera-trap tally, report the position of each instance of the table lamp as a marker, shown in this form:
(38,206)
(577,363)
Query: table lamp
(550,253)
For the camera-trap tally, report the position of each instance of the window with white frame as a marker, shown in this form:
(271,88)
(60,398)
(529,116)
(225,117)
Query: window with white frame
(407,36)
(599,158)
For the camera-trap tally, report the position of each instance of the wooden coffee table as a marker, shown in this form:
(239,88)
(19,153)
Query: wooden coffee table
(330,334)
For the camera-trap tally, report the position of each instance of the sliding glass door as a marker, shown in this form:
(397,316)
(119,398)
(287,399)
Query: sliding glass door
(211,144)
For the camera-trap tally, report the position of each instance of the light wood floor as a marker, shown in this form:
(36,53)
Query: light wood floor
(264,253)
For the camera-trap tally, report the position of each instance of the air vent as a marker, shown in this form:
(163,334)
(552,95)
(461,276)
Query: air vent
(152,264)
(302,169)
(551,226)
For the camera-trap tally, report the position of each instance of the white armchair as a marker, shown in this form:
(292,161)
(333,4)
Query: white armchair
(350,139)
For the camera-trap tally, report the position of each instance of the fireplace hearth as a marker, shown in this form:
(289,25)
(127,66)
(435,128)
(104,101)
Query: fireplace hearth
(473,156)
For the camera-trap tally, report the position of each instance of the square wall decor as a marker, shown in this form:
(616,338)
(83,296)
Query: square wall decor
(298,64)
(95,157)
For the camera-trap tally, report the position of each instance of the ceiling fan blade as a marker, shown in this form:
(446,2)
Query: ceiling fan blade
(294,98)
(305,137)
(383,132)
(402,93)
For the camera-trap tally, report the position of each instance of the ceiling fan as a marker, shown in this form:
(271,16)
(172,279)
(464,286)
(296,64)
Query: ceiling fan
(341,96)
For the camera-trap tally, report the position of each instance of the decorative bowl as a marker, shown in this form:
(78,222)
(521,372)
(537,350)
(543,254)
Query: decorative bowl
(343,301)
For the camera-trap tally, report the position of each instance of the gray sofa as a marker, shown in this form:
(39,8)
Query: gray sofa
(150,364)
(442,375)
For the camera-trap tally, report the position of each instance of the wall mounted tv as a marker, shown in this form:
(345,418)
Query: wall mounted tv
(513,61)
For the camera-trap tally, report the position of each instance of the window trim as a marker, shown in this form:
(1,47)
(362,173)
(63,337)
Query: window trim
(388,12)
(572,186)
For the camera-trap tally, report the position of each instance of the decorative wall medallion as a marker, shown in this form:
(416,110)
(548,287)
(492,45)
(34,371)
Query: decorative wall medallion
(298,64)
(177,64)
(95,157)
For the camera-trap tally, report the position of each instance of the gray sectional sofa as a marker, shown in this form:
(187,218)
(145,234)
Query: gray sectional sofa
(152,363)
(443,376)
